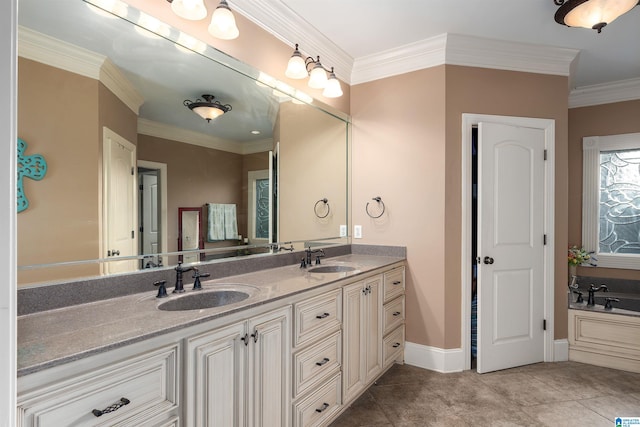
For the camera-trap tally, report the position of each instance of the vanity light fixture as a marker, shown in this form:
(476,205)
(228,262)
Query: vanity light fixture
(207,109)
(223,23)
(299,68)
(194,10)
(594,14)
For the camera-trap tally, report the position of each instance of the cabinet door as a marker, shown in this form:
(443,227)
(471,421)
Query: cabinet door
(216,377)
(372,328)
(269,369)
(353,338)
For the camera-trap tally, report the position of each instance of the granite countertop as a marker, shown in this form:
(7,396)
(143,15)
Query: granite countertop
(55,337)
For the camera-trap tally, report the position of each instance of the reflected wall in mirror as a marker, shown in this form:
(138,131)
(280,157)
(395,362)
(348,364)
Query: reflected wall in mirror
(82,72)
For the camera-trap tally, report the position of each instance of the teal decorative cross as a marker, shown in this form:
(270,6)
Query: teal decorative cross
(34,167)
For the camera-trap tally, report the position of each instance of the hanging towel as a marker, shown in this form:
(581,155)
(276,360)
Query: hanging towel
(230,222)
(215,222)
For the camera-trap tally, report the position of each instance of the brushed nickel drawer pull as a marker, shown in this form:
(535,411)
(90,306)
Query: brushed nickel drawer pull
(112,408)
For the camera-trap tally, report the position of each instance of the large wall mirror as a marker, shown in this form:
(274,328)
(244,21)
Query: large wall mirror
(103,101)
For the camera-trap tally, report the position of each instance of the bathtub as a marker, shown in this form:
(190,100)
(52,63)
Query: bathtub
(609,338)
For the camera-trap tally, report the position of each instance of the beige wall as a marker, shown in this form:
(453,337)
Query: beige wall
(599,120)
(406,148)
(199,175)
(58,118)
(313,156)
(399,154)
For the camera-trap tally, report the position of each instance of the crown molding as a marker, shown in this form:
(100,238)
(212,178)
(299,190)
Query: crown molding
(283,23)
(173,133)
(605,93)
(56,53)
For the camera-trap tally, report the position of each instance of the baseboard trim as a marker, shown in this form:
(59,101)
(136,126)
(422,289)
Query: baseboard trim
(561,350)
(434,358)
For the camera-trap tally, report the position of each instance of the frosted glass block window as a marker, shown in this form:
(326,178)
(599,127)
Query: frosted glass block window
(620,202)
(611,199)
(262,208)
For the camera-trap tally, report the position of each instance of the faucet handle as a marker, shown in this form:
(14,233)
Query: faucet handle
(162,290)
(579,299)
(303,263)
(608,305)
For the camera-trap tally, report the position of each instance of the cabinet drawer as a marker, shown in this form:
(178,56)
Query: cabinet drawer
(317,317)
(319,406)
(393,314)
(149,383)
(393,347)
(393,283)
(312,365)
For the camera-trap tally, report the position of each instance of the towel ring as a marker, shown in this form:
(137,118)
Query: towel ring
(326,203)
(380,202)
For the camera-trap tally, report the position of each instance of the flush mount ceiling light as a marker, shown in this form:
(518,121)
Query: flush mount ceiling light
(299,68)
(223,23)
(207,109)
(594,14)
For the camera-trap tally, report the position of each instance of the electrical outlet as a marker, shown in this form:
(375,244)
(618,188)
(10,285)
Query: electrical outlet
(343,231)
(357,231)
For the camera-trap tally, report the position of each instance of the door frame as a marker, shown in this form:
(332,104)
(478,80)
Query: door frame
(548,126)
(162,170)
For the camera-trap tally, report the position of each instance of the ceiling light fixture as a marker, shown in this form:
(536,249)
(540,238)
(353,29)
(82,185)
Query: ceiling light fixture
(594,14)
(299,68)
(223,23)
(207,109)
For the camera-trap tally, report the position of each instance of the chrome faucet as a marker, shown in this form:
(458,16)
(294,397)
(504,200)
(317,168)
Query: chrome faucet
(592,290)
(179,270)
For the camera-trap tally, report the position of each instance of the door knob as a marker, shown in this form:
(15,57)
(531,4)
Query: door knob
(488,260)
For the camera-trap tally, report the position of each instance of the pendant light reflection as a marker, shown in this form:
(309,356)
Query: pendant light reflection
(109,8)
(593,14)
(299,68)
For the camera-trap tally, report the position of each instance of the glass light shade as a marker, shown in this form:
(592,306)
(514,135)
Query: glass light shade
(151,27)
(317,77)
(296,68)
(223,23)
(109,8)
(333,88)
(593,12)
(193,10)
(189,44)
(208,113)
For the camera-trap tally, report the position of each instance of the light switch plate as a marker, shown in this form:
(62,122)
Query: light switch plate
(357,231)
(343,231)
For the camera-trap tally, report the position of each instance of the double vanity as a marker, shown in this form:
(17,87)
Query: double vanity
(291,346)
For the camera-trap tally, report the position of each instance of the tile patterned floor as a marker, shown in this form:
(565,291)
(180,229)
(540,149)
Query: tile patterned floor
(544,394)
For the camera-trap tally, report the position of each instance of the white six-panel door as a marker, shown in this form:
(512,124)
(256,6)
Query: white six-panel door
(510,246)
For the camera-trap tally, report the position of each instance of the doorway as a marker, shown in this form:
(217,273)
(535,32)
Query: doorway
(152,218)
(507,283)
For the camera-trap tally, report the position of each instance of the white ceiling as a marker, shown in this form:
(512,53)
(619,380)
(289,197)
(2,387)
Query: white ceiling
(357,30)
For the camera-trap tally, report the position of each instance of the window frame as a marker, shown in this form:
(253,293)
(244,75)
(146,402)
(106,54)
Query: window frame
(592,146)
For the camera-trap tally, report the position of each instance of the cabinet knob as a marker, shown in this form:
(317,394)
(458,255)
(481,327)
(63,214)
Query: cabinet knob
(111,408)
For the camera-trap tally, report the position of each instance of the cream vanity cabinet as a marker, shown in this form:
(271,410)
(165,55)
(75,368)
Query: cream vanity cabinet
(393,310)
(317,359)
(138,390)
(239,375)
(362,335)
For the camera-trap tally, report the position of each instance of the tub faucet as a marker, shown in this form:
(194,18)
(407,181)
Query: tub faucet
(179,270)
(592,290)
